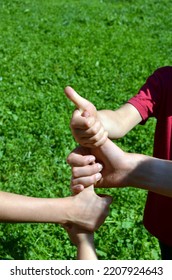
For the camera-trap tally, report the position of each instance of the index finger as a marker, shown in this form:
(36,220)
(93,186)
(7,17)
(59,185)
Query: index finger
(78,160)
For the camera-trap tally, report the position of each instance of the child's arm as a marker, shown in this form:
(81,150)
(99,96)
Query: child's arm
(123,169)
(90,127)
(85,209)
(84,241)
(86,249)
(119,122)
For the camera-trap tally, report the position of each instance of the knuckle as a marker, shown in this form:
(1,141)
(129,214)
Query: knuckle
(101,141)
(68,160)
(97,137)
(95,168)
(73,182)
(95,178)
(94,130)
(87,124)
(85,161)
(90,180)
(98,143)
(75,172)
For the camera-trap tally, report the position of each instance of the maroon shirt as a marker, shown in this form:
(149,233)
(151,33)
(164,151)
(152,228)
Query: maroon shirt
(154,99)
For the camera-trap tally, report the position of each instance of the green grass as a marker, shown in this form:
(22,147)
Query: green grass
(105,50)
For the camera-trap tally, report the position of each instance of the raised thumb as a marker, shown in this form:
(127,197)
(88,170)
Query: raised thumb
(80,102)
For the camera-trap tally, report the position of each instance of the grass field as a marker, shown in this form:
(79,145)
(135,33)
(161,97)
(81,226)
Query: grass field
(105,50)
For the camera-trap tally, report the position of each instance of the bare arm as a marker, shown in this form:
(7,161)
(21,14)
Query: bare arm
(90,127)
(85,209)
(151,173)
(129,169)
(84,241)
(86,249)
(117,123)
(121,169)
(19,208)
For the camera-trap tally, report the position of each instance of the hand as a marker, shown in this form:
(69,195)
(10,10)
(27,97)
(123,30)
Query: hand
(88,210)
(85,125)
(116,167)
(83,164)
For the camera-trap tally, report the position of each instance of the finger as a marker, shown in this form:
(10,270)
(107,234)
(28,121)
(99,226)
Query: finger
(108,199)
(102,140)
(79,160)
(80,150)
(79,188)
(95,135)
(76,189)
(92,144)
(86,170)
(97,132)
(86,128)
(87,180)
(78,121)
(80,102)
(98,137)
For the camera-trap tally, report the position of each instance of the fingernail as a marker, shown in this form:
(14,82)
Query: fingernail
(98,176)
(100,166)
(91,159)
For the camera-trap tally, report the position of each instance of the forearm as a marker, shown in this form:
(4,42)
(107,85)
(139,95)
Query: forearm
(112,123)
(151,174)
(123,169)
(18,208)
(119,122)
(86,251)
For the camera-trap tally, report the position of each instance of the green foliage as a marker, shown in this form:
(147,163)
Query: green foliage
(105,50)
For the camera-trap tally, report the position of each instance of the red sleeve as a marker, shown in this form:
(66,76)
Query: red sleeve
(148,98)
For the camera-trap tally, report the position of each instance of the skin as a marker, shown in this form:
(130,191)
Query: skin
(85,123)
(85,209)
(91,128)
(84,241)
(120,169)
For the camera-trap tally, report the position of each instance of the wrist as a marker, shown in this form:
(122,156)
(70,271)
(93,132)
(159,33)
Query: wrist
(86,250)
(86,239)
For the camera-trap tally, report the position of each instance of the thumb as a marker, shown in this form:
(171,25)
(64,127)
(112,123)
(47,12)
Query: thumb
(81,103)
(90,188)
(107,198)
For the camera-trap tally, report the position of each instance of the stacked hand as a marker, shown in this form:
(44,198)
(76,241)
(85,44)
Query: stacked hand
(98,161)
(85,125)
(115,162)
(89,210)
